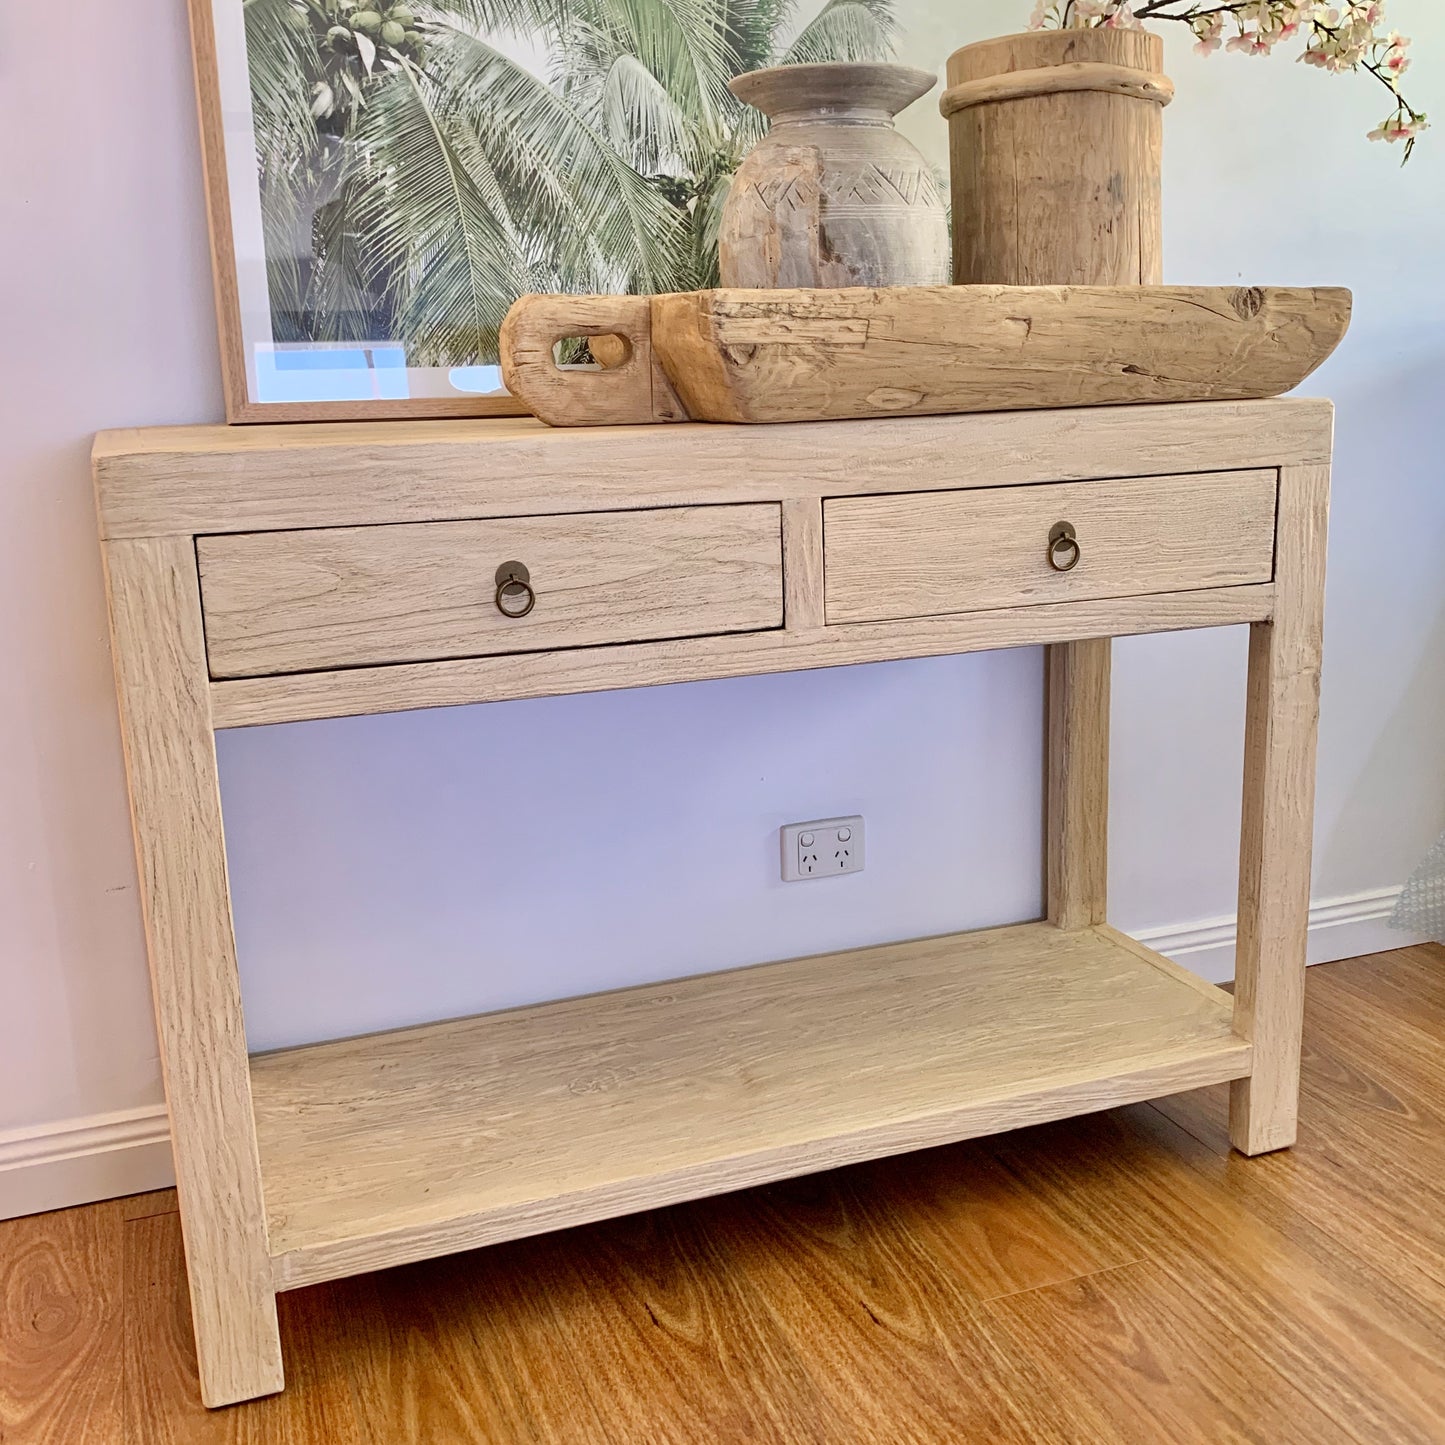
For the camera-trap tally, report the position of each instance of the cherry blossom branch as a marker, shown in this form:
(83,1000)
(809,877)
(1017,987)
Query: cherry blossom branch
(1338,37)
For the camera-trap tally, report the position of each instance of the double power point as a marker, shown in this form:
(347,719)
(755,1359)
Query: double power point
(827,848)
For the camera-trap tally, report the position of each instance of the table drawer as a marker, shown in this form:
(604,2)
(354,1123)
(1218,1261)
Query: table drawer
(278,602)
(919,554)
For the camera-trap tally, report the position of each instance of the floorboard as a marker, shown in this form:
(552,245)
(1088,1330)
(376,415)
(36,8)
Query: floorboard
(1327,1321)
(1120,1279)
(1146,1361)
(889,1335)
(62,1322)
(1406,986)
(142,1206)
(991,1234)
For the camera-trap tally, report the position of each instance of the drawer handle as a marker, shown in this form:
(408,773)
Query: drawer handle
(516,596)
(1064,552)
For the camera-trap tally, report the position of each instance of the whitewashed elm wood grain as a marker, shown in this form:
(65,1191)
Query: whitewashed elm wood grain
(1277,831)
(1076,788)
(172,481)
(405,1145)
(245,702)
(925,553)
(343,1157)
(159,651)
(303,601)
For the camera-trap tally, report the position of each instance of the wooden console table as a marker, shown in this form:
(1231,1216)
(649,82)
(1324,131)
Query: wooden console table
(270,574)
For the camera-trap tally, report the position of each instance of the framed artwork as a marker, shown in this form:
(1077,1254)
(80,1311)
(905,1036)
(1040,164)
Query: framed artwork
(385,177)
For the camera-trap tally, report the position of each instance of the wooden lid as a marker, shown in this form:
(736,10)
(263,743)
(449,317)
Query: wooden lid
(1132,49)
(1122,63)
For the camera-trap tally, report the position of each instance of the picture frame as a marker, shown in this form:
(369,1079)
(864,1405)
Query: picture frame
(263,380)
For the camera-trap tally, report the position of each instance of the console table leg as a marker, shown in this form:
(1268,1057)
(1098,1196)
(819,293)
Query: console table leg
(1282,715)
(163,687)
(1077,691)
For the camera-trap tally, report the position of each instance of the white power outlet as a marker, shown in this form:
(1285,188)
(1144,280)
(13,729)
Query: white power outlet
(827,848)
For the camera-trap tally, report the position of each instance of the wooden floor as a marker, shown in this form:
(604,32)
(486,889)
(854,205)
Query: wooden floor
(1118,1278)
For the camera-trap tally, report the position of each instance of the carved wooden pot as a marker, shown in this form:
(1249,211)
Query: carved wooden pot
(833,195)
(1054,145)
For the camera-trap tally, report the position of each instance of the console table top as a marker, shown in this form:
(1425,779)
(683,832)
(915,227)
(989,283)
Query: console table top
(169,481)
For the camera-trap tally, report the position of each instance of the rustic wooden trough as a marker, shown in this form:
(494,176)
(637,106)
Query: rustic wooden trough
(776,356)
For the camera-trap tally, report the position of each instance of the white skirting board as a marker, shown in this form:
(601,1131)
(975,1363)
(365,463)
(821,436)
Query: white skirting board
(1339,928)
(77,1161)
(102,1156)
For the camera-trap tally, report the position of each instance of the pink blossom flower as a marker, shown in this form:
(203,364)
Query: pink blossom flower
(1345,35)
(1250,42)
(1209,33)
(1399,127)
(1395,60)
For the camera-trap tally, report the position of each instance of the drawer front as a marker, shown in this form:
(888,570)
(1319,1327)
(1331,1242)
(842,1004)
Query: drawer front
(278,602)
(921,554)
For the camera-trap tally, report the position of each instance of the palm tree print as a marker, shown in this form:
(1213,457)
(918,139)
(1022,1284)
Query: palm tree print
(416,179)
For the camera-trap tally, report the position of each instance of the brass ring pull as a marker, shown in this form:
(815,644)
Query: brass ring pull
(516,596)
(1064,550)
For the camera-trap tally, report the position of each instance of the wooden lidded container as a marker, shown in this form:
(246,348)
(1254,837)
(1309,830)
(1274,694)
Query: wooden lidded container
(1055,139)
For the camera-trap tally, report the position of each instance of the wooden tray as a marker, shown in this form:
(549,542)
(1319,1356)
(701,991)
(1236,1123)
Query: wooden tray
(773,356)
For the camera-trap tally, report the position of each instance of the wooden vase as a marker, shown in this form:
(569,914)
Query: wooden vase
(833,195)
(1055,139)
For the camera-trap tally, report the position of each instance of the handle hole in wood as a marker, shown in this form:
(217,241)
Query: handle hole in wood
(608,351)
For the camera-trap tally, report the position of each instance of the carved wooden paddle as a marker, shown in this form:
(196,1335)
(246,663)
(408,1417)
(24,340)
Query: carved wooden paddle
(805,355)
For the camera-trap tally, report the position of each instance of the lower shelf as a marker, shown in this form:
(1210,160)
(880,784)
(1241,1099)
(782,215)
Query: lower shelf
(400,1146)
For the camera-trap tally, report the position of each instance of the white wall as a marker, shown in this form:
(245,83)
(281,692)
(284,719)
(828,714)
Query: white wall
(400,868)
(107,321)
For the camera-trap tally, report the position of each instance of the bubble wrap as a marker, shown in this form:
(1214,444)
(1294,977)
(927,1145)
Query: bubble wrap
(1421,908)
